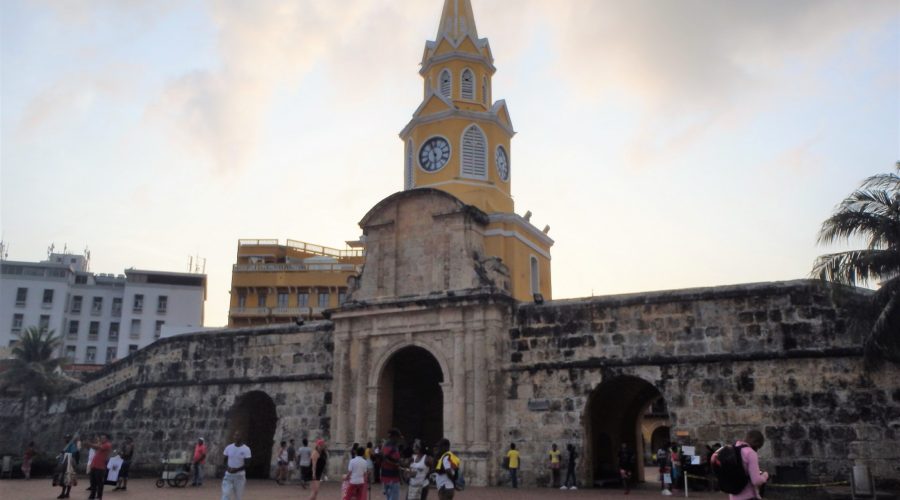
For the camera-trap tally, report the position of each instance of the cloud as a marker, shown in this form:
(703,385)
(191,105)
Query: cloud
(693,65)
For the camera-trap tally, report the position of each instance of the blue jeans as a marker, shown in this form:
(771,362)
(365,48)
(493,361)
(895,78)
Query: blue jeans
(233,486)
(392,491)
(198,475)
(514,477)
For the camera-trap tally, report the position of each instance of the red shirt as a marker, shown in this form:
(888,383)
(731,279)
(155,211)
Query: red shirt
(101,456)
(390,472)
(200,453)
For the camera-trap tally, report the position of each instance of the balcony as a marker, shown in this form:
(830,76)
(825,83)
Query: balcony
(280,268)
(249,312)
(304,247)
(292,312)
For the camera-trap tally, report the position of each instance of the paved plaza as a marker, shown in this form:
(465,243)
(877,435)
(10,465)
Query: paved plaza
(144,489)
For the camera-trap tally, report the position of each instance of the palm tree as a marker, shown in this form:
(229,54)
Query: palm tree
(34,370)
(871,213)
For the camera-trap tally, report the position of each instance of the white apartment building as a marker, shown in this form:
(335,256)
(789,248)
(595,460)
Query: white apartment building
(100,317)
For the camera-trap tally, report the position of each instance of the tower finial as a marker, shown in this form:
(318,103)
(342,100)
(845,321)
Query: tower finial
(457,20)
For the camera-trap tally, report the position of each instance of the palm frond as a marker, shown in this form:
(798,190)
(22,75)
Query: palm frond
(857,266)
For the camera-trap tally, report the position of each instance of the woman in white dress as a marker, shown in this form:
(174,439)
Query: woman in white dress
(419,468)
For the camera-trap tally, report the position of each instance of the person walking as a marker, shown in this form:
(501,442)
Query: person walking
(626,466)
(752,442)
(102,449)
(65,473)
(319,461)
(512,457)
(419,467)
(235,478)
(662,460)
(390,465)
(555,464)
(445,471)
(281,470)
(27,457)
(292,459)
(357,476)
(571,457)
(127,453)
(675,465)
(198,462)
(304,463)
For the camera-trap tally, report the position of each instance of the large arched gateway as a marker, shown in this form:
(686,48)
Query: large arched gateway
(410,396)
(255,417)
(618,411)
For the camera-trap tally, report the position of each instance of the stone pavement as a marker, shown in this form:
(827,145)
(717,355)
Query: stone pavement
(144,489)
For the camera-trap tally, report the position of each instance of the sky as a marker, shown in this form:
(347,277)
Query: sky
(668,144)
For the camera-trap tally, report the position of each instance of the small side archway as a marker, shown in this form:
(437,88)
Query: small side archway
(254,416)
(615,415)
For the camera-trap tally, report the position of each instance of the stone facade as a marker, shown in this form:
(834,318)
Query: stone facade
(431,341)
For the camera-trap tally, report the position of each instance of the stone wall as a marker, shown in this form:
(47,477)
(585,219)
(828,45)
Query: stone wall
(180,388)
(780,357)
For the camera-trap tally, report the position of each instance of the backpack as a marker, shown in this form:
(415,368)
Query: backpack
(728,466)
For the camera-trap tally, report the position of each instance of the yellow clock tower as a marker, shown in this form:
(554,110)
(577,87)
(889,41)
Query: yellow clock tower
(458,141)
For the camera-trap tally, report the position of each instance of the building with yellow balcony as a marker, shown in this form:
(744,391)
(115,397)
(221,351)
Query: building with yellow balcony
(273,282)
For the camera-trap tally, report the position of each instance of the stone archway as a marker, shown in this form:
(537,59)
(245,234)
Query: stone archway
(410,396)
(615,415)
(254,415)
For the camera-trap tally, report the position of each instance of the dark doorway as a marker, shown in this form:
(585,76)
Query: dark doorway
(410,396)
(254,416)
(615,415)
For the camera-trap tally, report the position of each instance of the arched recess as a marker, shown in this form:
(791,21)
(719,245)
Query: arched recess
(615,414)
(410,394)
(473,160)
(467,85)
(446,82)
(254,415)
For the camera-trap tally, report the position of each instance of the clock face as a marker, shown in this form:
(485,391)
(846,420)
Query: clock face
(502,161)
(434,154)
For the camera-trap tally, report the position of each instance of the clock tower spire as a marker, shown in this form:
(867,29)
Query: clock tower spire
(459,139)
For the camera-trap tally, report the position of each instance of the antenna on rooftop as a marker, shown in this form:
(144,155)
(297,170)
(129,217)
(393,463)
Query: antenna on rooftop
(196,265)
(50,249)
(4,250)
(87,258)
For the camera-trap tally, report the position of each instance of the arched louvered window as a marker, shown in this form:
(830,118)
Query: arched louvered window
(408,181)
(484,98)
(535,276)
(467,85)
(446,84)
(474,153)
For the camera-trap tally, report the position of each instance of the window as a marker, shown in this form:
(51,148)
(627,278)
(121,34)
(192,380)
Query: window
(81,280)
(484,98)
(110,354)
(535,276)
(90,356)
(93,330)
(446,83)
(157,330)
(282,298)
(135,328)
(323,299)
(21,296)
(17,321)
(467,85)
(48,297)
(76,304)
(242,299)
(44,323)
(408,181)
(97,305)
(138,303)
(70,352)
(117,306)
(114,331)
(132,348)
(162,304)
(342,297)
(303,299)
(474,153)
(261,299)
(73,328)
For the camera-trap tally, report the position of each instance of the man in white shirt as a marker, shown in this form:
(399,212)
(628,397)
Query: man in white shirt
(304,463)
(445,475)
(356,475)
(235,477)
